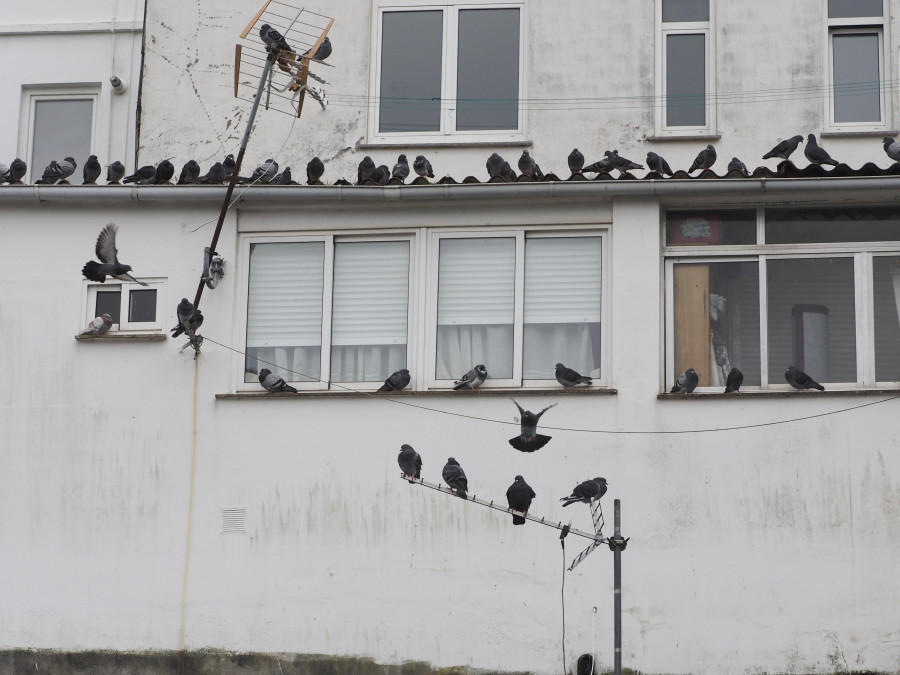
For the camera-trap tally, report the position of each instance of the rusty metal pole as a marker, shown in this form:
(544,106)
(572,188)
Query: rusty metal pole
(617,590)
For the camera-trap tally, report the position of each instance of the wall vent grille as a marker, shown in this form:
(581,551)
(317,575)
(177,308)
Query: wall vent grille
(233,519)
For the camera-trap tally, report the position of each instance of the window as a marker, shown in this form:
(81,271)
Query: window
(517,302)
(326,305)
(685,68)
(133,307)
(763,289)
(856,43)
(60,124)
(448,70)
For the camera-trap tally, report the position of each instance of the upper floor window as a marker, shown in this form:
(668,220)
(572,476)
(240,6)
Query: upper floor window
(685,67)
(856,50)
(448,69)
(59,124)
(132,307)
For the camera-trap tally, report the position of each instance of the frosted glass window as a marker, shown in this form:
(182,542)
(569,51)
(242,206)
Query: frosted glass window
(563,291)
(62,128)
(856,77)
(840,9)
(685,80)
(685,10)
(476,303)
(142,305)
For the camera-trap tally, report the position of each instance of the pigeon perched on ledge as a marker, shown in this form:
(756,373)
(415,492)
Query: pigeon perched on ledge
(704,160)
(569,378)
(91,170)
(686,382)
(785,148)
(274,384)
(575,161)
(98,326)
(314,170)
(800,380)
(422,167)
(734,381)
(59,171)
(455,477)
(410,461)
(472,379)
(396,381)
(658,164)
(817,154)
(519,496)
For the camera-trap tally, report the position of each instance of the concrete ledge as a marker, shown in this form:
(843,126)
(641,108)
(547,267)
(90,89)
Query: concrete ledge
(126,337)
(777,393)
(263,395)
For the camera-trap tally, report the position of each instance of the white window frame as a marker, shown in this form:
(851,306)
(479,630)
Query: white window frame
(324,382)
(663,30)
(849,26)
(33,94)
(862,254)
(520,234)
(89,304)
(447,133)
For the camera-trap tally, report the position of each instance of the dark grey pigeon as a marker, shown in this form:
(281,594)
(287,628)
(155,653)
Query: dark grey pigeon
(273,39)
(507,172)
(455,477)
(734,381)
(396,381)
(472,379)
(4,173)
(401,168)
(529,440)
(816,154)
(658,164)
(263,173)
(528,167)
(569,378)
(785,148)
(91,170)
(586,492)
(602,166)
(17,170)
(892,148)
(215,175)
(686,382)
(322,53)
(737,165)
(381,174)
(704,160)
(800,380)
(187,317)
(163,174)
(283,178)
(274,384)
(576,161)
(422,167)
(228,164)
(190,173)
(519,496)
(115,172)
(410,462)
(59,171)
(314,170)
(142,175)
(620,163)
(494,165)
(109,264)
(365,170)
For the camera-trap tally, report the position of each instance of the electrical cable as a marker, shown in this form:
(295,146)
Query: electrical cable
(624,432)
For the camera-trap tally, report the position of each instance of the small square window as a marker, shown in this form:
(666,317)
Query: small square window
(142,306)
(109,302)
(60,125)
(133,308)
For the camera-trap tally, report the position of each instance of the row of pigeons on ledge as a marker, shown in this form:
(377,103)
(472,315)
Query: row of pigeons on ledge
(689,379)
(368,173)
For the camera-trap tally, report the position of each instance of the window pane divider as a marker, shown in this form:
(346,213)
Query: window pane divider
(865,320)
(763,324)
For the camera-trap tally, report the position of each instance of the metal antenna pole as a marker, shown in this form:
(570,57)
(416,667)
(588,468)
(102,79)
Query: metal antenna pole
(273,54)
(617,544)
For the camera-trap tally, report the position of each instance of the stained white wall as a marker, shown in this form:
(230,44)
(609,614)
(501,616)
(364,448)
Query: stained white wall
(773,549)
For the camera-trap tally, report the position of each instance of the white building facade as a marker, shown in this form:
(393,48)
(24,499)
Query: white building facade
(158,502)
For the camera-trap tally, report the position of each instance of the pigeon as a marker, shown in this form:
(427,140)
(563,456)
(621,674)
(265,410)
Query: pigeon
(892,148)
(507,172)
(800,380)
(284,178)
(576,161)
(586,492)
(686,382)
(263,173)
(381,174)
(228,164)
(658,164)
(59,171)
(4,173)
(163,174)
(602,166)
(455,477)
(494,165)
(815,153)
(785,148)
(91,170)
(569,378)
(274,384)
(529,440)
(410,462)
(365,170)
(396,381)
(314,170)
(190,173)
(98,325)
(422,167)
(215,175)
(704,160)
(472,379)
(322,53)
(115,172)
(17,170)
(528,167)
(109,264)
(734,381)
(273,39)
(401,168)
(620,163)
(143,174)
(187,315)
(736,164)
(519,496)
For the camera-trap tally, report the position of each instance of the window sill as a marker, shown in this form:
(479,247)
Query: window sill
(392,144)
(776,393)
(127,337)
(441,392)
(880,133)
(684,137)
